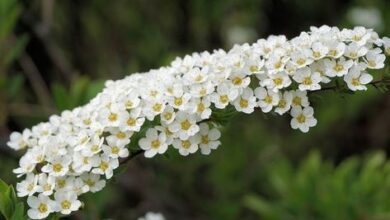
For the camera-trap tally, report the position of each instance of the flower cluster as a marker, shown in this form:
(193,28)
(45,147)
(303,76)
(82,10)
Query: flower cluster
(78,151)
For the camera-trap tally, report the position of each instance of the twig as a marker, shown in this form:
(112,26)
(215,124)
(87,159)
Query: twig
(36,80)
(374,83)
(132,155)
(30,110)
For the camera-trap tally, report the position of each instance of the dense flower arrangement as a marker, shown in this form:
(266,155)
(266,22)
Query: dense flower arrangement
(78,151)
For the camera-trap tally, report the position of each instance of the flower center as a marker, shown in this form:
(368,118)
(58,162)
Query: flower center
(65,204)
(338,67)
(115,150)
(131,121)
(103,166)
(253,68)
(297,100)
(185,125)
(278,81)
(186,144)
(42,208)
(355,82)
(268,99)
(223,98)
(301,61)
(47,187)
(243,103)
(121,135)
(205,139)
(157,107)
(201,107)
(307,81)
(301,118)
(113,117)
(237,81)
(156,144)
(282,103)
(178,101)
(57,167)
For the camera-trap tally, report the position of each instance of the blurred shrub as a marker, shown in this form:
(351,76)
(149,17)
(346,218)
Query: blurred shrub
(358,188)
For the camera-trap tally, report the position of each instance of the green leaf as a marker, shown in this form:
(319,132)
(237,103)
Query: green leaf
(19,212)
(61,96)
(14,85)
(77,92)
(16,50)
(6,206)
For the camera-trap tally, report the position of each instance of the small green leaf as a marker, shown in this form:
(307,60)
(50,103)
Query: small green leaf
(61,96)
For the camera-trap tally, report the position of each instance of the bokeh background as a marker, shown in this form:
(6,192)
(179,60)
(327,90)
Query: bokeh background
(55,55)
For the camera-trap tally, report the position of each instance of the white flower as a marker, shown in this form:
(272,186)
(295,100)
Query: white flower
(59,166)
(300,59)
(133,122)
(112,116)
(224,94)
(188,146)
(299,99)
(201,106)
(276,81)
(83,163)
(356,78)
(154,143)
(106,166)
(375,59)
(276,63)
(196,75)
(78,186)
(246,102)
(46,184)
(40,207)
(131,100)
(168,115)
(28,186)
(113,150)
(336,49)
(307,80)
(66,202)
(152,216)
(386,44)
(284,102)
(337,67)
(152,108)
(240,80)
(184,125)
(91,147)
(354,51)
(302,118)
(319,50)
(319,67)
(179,98)
(93,181)
(208,138)
(18,140)
(118,137)
(267,99)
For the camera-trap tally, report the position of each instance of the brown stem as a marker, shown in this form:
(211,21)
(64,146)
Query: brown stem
(132,155)
(36,80)
(375,82)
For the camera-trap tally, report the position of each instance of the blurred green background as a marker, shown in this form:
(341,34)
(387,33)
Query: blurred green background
(56,55)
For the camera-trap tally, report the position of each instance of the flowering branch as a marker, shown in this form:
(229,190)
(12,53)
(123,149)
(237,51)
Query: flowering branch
(184,105)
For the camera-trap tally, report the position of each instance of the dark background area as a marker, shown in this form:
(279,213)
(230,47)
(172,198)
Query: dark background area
(56,55)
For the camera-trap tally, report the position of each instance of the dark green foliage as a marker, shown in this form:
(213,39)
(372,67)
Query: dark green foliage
(10,207)
(357,188)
